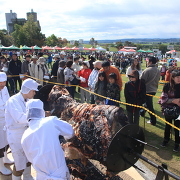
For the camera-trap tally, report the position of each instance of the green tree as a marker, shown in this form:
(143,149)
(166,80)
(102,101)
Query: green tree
(118,45)
(128,43)
(28,34)
(6,39)
(93,42)
(163,48)
(53,40)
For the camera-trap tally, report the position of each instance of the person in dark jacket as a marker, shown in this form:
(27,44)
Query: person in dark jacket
(135,93)
(55,67)
(60,72)
(170,98)
(92,59)
(25,65)
(15,69)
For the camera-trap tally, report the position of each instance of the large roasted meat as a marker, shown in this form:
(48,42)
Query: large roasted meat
(94,125)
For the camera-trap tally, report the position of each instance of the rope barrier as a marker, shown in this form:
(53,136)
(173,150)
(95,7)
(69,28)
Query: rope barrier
(120,102)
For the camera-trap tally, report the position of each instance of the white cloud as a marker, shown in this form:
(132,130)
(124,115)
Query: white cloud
(101,19)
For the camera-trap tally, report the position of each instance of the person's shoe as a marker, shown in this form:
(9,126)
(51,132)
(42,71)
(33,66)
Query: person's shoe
(3,170)
(176,148)
(164,143)
(6,160)
(149,122)
(142,112)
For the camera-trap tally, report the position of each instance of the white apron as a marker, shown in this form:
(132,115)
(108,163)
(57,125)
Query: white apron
(42,175)
(14,139)
(4,96)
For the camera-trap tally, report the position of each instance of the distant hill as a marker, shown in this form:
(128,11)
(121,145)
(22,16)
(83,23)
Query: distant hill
(140,40)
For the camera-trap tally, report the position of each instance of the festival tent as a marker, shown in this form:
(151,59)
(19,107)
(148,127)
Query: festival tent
(2,47)
(66,48)
(149,51)
(74,48)
(85,49)
(36,47)
(92,49)
(122,50)
(25,48)
(12,47)
(57,48)
(140,50)
(100,49)
(47,48)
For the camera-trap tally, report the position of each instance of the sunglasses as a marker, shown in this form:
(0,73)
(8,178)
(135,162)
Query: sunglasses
(131,76)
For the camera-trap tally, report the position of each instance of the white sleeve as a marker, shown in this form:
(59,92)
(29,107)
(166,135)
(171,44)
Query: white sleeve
(65,128)
(15,110)
(128,71)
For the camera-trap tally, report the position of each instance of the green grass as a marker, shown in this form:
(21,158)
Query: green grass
(154,136)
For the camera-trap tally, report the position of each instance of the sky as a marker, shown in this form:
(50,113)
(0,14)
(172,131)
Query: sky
(100,19)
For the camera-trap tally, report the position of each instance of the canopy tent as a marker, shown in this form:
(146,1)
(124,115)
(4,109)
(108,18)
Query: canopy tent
(47,48)
(170,52)
(100,49)
(130,50)
(122,50)
(36,47)
(2,47)
(85,49)
(149,51)
(66,48)
(12,47)
(25,48)
(57,48)
(74,48)
(140,50)
(92,49)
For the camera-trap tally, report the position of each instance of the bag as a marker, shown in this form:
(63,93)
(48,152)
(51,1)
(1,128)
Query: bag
(75,81)
(172,112)
(163,73)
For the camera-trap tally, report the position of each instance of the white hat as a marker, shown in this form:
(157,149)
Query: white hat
(56,56)
(28,85)
(87,63)
(41,59)
(3,77)
(34,57)
(63,53)
(34,109)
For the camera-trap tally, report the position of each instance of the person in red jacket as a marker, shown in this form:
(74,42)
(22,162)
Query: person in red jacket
(84,75)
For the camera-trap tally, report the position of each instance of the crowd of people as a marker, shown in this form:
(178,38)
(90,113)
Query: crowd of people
(25,120)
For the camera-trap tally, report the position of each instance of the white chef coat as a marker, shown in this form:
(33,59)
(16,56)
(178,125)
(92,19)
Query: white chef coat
(4,96)
(16,124)
(42,147)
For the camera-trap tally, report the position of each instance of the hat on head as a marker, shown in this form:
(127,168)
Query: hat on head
(56,56)
(87,63)
(3,77)
(63,53)
(34,57)
(28,85)
(41,59)
(34,109)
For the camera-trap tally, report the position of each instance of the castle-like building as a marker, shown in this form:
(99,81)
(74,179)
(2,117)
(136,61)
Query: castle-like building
(11,19)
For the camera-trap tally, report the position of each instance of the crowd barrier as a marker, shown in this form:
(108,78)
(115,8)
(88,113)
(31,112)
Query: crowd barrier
(120,102)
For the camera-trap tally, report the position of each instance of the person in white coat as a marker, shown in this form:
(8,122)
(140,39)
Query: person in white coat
(4,96)
(16,124)
(41,143)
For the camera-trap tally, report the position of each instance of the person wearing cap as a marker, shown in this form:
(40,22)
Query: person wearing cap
(93,77)
(43,149)
(55,67)
(63,56)
(60,73)
(16,124)
(84,74)
(41,70)
(4,96)
(15,71)
(32,65)
(25,65)
(108,69)
(135,93)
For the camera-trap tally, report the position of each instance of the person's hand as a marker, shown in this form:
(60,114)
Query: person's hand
(47,113)
(176,101)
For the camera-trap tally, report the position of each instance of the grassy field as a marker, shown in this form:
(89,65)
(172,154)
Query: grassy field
(154,136)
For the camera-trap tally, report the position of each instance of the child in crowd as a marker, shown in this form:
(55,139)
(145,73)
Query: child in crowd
(112,90)
(135,93)
(100,88)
